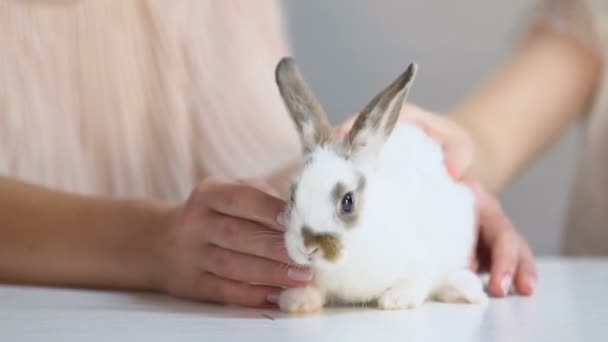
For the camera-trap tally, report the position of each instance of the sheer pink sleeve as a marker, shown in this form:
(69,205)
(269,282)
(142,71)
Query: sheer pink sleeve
(584,20)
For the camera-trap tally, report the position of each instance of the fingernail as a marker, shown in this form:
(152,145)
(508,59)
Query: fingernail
(505,284)
(281,218)
(299,274)
(452,170)
(265,187)
(273,297)
(271,191)
(532,283)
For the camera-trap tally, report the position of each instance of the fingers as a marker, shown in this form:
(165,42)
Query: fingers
(212,288)
(499,234)
(511,260)
(241,267)
(244,201)
(492,219)
(247,237)
(458,146)
(512,264)
(527,273)
(262,186)
(473,264)
(505,253)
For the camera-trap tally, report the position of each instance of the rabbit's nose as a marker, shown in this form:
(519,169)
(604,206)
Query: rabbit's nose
(309,251)
(312,251)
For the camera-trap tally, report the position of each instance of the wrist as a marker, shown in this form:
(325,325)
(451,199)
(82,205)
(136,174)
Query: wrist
(481,167)
(148,251)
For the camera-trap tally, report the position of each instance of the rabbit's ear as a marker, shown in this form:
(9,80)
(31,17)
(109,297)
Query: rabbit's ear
(308,115)
(377,120)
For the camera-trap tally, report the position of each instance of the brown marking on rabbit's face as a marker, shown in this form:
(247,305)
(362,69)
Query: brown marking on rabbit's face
(348,202)
(328,244)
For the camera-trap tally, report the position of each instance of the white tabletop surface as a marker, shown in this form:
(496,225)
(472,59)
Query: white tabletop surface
(571,304)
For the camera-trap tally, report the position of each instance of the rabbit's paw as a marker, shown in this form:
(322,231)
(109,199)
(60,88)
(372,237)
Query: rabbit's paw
(462,286)
(402,297)
(301,300)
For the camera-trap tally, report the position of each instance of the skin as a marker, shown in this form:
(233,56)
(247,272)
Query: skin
(477,136)
(227,234)
(216,247)
(508,105)
(499,248)
(477,139)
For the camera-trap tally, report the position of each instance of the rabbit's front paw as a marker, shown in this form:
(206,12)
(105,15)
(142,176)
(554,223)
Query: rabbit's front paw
(401,297)
(301,300)
(462,286)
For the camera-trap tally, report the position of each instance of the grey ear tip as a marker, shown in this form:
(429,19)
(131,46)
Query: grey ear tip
(285,63)
(412,69)
(287,59)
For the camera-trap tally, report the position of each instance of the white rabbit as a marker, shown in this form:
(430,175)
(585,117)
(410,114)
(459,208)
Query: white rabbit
(376,215)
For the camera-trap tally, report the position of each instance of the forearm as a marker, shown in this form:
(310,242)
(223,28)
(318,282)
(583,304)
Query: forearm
(527,105)
(55,238)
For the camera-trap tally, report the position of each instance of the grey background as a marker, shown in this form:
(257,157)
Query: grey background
(348,49)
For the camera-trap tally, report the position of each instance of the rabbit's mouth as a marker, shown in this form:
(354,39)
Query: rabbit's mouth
(309,253)
(295,249)
(318,257)
(311,256)
(304,256)
(314,249)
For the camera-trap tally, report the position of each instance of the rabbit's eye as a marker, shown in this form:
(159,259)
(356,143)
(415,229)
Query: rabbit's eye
(347,203)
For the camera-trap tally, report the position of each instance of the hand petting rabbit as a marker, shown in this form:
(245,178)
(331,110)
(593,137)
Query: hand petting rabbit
(375,214)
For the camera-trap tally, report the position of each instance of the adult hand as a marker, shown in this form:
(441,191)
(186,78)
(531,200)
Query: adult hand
(225,245)
(500,249)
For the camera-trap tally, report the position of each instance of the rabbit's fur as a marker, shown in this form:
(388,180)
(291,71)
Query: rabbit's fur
(375,215)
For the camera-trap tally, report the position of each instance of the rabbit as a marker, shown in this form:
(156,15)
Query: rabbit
(375,215)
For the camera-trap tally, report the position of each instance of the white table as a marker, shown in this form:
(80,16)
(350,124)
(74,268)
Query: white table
(571,304)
